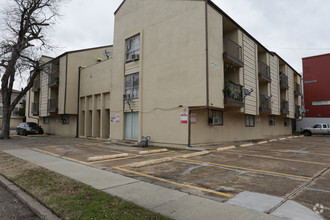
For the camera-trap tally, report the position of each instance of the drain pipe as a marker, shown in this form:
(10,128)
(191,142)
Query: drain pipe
(78,99)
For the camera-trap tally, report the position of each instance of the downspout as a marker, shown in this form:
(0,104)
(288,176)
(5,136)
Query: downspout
(77,128)
(207,73)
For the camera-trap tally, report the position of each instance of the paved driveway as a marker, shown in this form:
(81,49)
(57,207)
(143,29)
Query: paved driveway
(286,169)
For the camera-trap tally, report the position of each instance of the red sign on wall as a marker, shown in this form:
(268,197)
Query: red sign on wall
(184,118)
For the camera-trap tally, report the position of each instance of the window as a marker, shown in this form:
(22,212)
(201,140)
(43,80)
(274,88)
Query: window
(324,126)
(321,103)
(286,122)
(215,117)
(271,120)
(133,48)
(249,120)
(46,120)
(15,112)
(317,126)
(1,110)
(65,119)
(132,85)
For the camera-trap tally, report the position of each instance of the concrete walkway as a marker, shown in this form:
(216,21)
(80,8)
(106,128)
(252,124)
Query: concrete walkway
(171,203)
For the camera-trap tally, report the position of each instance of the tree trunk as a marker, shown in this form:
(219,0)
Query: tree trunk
(5,129)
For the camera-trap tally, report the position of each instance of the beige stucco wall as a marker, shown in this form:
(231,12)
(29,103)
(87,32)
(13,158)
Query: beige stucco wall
(56,127)
(234,129)
(275,88)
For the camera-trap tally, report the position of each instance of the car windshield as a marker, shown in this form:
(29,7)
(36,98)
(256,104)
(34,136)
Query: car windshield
(32,125)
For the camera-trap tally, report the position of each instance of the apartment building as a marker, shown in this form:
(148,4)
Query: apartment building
(53,99)
(17,115)
(316,81)
(183,73)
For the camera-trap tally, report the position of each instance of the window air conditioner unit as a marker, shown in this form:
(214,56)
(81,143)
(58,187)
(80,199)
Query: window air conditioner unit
(124,96)
(135,56)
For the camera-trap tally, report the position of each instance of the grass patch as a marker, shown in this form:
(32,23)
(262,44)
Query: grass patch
(67,198)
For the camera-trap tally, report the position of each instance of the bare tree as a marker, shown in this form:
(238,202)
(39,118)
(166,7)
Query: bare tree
(24,27)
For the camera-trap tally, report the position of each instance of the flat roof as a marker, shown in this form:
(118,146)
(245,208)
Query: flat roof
(321,55)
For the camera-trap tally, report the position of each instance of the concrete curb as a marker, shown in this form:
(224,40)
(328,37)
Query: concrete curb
(226,148)
(33,204)
(246,145)
(151,162)
(153,151)
(106,157)
(194,154)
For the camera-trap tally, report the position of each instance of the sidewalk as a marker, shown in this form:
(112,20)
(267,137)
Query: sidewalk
(171,203)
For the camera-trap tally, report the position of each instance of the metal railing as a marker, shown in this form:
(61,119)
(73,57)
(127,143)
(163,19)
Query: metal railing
(265,104)
(53,79)
(284,80)
(233,49)
(297,111)
(297,89)
(36,85)
(52,105)
(35,108)
(264,70)
(284,106)
(233,91)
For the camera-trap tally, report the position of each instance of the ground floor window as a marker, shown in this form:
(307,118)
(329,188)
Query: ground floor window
(249,120)
(46,120)
(286,122)
(271,120)
(215,117)
(131,125)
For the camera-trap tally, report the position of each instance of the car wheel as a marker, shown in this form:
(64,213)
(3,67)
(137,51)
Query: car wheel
(17,133)
(307,133)
(25,133)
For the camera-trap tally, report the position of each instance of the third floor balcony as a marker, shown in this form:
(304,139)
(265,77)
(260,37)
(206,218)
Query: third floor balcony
(284,83)
(264,72)
(233,94)
(232,52)
(53,80)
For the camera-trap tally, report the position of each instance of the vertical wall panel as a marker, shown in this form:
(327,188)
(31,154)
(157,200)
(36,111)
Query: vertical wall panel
(291,93)
(275,85)
(44,93)
(250,74)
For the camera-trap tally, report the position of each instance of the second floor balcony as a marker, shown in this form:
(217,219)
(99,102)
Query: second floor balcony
(35,108)
(53,80)
(233,94)
(297,89)
(36,85)
(52,105)
(265,104)
(264,72)
(284,107)
(284,83)
(232,52)
(297,111)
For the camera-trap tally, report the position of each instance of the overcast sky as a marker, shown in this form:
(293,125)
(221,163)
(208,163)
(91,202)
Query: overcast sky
(292,28)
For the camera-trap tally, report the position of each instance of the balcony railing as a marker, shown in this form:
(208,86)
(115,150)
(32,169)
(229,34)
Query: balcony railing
(297,111)
(52,105)
(284,81)
(297,89)
(284,106)
(233,52)
(265,105)
(53,80)
(233,94)
(36,86)
(35,108)
(264,72)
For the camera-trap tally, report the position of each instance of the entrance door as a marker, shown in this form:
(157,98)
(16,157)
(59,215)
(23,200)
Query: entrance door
(131,125)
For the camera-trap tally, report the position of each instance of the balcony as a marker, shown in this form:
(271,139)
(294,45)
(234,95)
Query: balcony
(35,108)
(264,72)
(284,81)
(297,90)
(53,80)
(36,86)
(284,107)
(297,111)
(265,105)
(52,105)
(233,53)
(233,94)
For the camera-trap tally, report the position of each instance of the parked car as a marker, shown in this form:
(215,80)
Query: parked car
(320,128)
(26,128)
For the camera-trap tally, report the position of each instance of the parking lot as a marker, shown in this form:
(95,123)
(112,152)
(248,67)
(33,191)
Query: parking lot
(292,168)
